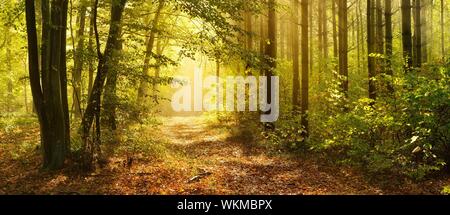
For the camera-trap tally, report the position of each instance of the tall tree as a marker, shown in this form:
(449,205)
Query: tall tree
(417,34)
(143,92)
(9,68)
(78,60)
(343,44)
(104,66)
(371,48)
(442,29)
(305,68)
(325,30)
(91,52)
(110,99)
(379,35)
(295,55)
(48,89)
(320,44)
(388,41)
(333,19)
(406,33)
(271,47)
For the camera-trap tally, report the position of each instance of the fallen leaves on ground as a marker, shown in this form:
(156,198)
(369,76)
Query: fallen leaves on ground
(199,159)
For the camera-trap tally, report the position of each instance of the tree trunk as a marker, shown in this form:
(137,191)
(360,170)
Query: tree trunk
(91,53)
(78,62)
(320,35)
(110,93)
(406,33)
(442,30)
(10,85)
(295,56)
(271,48)
(379,36)
(282,42)
(417,34)
(325,31)
(371,48)
(249,29)
(310,43)
(358,37)
(104,66)
(50,98)
(343,45)
(335,40)
(388,42)
(424,32)
(143,93)
(305,72)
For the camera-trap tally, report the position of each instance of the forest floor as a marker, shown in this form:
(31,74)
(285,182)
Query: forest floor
(191,157)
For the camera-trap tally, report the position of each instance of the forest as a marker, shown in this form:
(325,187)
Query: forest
(361,99)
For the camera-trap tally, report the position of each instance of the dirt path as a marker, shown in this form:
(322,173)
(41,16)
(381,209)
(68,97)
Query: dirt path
(236,167)
(191,157)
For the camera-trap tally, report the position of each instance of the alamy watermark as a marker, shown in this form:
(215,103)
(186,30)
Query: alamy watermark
(230,94)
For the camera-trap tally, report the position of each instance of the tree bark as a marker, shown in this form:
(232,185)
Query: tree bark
(388,42)
(143,93)
(442,30)
(271,48)
(104,66)
(343,45)
(335,40)
(305,68)
(78,61)
(371,48)
(406,33)
(295,56)
(110,93)
(417,34)
(50,92)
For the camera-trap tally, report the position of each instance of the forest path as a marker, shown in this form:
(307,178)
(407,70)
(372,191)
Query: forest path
(187,155)
(224,165)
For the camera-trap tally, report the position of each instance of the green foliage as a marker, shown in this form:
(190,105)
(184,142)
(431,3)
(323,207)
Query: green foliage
(24,150)
(137,141)
(9,122)
(446,190)
(287,133)
(406,132)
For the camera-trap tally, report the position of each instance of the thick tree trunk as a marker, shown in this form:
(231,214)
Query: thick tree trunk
(50,98)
